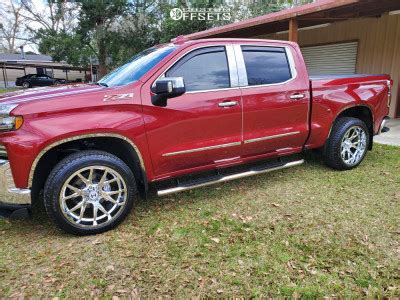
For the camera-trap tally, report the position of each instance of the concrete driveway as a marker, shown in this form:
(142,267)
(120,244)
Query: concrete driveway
(393,136)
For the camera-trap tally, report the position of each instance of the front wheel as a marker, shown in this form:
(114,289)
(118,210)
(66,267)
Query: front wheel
(347,144)
(89,192)
(26,85)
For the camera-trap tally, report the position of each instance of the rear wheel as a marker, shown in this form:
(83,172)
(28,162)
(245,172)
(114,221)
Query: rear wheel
(89,192)
(347,144)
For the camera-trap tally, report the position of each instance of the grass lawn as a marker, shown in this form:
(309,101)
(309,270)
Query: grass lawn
(303,232)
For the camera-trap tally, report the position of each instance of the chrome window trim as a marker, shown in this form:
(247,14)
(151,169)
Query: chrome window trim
(233,73)
(270,137)
(232,67)
(79,137)
(242,73)
(202,149)
(242,67)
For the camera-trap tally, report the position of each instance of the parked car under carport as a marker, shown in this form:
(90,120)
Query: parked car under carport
(32,80)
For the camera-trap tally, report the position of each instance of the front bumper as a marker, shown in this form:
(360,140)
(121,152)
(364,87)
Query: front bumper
(10,196)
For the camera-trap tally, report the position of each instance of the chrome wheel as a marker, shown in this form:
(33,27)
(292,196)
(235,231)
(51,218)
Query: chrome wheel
(93,196)
(353,145)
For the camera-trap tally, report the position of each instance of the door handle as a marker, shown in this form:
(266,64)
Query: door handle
(297,96)
(228,104)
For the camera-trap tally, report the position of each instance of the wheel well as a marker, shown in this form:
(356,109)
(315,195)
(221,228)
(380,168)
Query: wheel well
(364,114)
(116,146)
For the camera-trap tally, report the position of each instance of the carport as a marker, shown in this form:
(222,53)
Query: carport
(13,68)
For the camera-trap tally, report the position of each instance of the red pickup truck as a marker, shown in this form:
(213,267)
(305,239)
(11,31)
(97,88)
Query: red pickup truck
(179,116)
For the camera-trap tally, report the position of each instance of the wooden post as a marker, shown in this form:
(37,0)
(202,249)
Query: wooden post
(397,113)
(293,33)
(4,76)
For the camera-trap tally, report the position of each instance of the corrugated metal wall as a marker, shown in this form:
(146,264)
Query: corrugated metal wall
(378,48)
(340,58)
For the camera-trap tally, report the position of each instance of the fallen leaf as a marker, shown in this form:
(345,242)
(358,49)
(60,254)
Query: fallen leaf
(275,204)
(216,240)
(135,294)
(110,268)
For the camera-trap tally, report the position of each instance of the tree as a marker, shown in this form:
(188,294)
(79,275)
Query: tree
(239,11)
(53,28)
(113,31)
(98,27)
(11,26)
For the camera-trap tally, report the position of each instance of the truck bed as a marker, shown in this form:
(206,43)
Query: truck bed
(331,94)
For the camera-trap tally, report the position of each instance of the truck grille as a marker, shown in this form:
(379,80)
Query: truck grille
(3,152)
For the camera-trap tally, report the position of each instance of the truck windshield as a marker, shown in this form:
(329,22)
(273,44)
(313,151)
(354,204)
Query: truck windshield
(137,66)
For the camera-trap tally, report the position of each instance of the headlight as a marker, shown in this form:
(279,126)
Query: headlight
(8,122)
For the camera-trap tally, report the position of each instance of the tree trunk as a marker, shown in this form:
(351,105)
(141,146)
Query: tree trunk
(102,59)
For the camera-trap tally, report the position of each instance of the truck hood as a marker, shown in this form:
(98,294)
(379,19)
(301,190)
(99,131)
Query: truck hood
(47,93)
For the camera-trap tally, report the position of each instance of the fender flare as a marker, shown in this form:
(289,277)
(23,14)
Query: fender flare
(80,137)
(346,108)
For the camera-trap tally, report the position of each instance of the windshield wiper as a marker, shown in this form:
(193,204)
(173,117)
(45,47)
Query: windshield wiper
(102,84)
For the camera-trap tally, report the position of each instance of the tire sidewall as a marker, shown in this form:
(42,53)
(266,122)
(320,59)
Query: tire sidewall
(338,133)
(69,166)
(26,85)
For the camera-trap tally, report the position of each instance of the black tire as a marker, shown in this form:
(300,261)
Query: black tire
(333,146)
(64,173)
(26,85)
(57,82)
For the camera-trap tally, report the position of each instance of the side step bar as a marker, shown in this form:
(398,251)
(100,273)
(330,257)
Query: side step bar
(227,178)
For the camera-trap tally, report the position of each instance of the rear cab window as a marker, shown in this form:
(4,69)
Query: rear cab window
(266,65)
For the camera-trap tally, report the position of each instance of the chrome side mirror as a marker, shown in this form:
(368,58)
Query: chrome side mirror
(165,88)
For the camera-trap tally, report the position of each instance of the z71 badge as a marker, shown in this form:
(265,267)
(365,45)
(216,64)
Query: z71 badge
(117,97)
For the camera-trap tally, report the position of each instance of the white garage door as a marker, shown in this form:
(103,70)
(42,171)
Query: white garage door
(338,58)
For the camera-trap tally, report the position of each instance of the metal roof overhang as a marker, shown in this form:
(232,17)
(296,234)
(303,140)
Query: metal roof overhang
(319,12)
(12,65)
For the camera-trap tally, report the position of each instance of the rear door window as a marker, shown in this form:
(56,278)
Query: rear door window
(266,65)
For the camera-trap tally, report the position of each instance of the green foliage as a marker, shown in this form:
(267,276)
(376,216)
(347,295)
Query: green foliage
(113,31)
(63,46)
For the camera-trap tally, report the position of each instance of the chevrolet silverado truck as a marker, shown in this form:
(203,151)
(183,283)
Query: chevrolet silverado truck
(175,117)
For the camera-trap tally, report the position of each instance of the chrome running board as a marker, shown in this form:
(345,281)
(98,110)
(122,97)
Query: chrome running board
(218,179)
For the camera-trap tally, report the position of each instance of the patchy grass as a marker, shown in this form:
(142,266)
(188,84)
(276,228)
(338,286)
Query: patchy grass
(303,232)
(8,90)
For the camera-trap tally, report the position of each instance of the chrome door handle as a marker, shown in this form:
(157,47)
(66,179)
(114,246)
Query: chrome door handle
(297,96)
(228,104)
